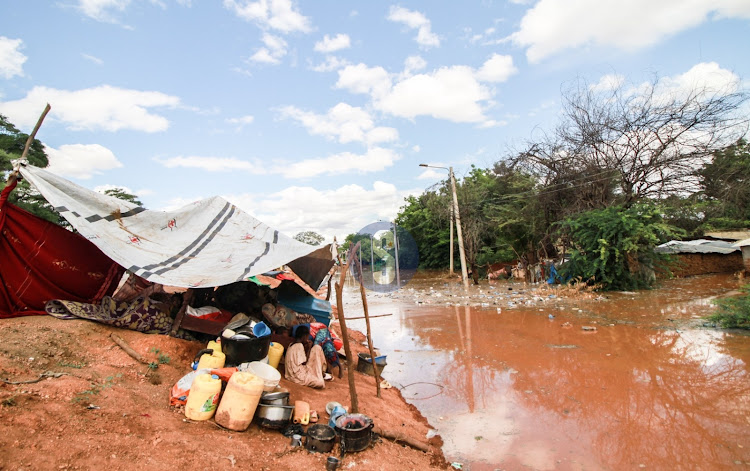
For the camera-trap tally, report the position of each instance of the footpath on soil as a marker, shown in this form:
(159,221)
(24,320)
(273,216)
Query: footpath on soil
(96,407)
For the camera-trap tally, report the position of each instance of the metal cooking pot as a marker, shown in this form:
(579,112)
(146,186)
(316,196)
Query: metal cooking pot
(320,438)
(275,398)
(273,416)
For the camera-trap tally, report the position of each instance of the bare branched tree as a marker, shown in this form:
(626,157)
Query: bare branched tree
(628,143)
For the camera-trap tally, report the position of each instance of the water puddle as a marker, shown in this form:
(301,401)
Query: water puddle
(528,387)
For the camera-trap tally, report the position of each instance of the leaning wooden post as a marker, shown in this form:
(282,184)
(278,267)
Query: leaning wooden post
(33,133)
(345,333)
(186,298)
(369,335)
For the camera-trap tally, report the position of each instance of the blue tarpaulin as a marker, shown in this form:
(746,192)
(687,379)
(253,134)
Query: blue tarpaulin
(320,309)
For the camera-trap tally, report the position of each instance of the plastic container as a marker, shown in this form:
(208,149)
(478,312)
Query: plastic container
(245,350)
(203,398)
(239,401)
(364,364)
(267,373)
(337,412)
(301,413)
(275,350)
(214,345)
(212,360)
(261,330)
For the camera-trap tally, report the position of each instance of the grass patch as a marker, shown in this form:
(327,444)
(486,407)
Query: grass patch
(96,388)
(734,312)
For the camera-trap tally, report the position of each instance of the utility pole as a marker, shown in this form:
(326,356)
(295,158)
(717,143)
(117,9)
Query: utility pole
(451,273)
(395,250)
(455,213)
(462,255)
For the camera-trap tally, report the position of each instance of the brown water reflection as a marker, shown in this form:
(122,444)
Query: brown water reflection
(520,389)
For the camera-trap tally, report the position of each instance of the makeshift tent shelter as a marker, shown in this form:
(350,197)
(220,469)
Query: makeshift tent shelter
(208,243)
(40,261)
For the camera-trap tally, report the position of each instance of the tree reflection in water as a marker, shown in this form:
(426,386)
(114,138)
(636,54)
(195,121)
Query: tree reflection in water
(617,398)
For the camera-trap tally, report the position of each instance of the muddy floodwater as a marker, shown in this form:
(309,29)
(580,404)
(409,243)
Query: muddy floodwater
(515,377)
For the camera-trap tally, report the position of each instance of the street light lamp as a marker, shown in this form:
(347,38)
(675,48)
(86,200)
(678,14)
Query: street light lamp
(462,255)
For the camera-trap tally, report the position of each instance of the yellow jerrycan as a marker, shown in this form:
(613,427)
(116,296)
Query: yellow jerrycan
(203,397)
(239,401)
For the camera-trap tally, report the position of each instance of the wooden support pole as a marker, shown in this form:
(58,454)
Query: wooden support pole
(33,133)
(369,335)
(345,337)
(371,317)
(186,298)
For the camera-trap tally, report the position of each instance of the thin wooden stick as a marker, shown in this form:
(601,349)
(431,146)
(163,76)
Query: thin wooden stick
(124,345)
(371,317)
(345,334)
(186,298)
(33,133)
(369,336)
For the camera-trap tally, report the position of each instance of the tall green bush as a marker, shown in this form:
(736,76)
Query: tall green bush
(614,247)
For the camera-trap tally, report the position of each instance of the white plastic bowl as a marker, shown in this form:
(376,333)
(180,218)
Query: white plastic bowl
(266,372)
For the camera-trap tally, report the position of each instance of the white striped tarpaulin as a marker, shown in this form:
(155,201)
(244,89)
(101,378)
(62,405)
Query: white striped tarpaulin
(207,243)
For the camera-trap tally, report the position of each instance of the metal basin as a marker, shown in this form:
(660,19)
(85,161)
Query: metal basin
(273,416)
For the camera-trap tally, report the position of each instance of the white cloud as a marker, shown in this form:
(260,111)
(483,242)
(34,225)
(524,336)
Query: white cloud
(81,160)
(497,69)
(336,43)
(101,10)
(101,108)
(336,212)
(707,77)
(413,64)
(608,82)
(275,14)
(433,174)
(552,26)
(11,59)
(210,164)
(103,189)
(330,64)
(241,121)
(451,93)
(415,20)
(93,59)
(362,79)
(343,122)
(275,48)
(374,160)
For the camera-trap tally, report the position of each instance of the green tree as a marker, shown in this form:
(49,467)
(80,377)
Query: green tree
(725,183)
(614,247)
(309,238)
(426,218)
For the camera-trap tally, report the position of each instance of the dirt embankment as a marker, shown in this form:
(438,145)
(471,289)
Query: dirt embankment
(97,408)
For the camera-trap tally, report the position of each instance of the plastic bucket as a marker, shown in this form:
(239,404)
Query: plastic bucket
(267,373)
(245,350)
(239,401)
(203,398)
(275,350)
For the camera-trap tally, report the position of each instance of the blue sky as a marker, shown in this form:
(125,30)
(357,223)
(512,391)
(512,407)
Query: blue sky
(315,115)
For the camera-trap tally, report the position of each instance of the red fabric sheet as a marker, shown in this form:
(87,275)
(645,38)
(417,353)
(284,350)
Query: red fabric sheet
(40,261)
